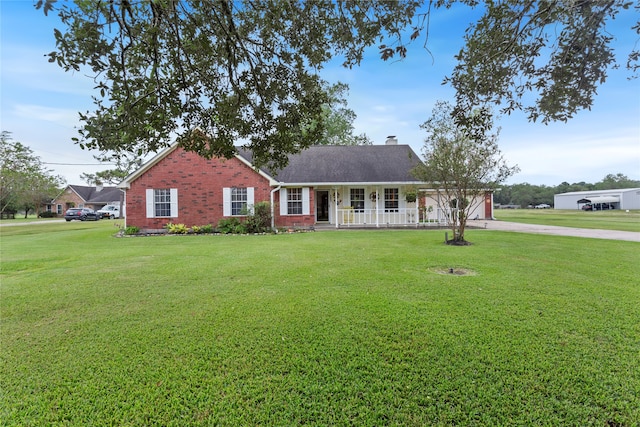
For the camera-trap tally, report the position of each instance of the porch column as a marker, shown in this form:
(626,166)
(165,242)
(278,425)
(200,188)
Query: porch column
(335,199)
(377,210)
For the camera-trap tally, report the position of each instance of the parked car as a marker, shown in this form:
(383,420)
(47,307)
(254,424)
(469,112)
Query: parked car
(542,206)
(109,211)
(597,207)
(81,214)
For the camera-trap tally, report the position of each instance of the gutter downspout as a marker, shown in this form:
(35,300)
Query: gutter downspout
(273,214)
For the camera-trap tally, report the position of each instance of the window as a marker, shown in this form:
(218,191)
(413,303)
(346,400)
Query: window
(162,203)
(59,209)
(294,201)
(357,199)
(238,201)
(391,199)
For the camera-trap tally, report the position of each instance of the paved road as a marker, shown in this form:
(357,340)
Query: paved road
(8,223)
(555,230)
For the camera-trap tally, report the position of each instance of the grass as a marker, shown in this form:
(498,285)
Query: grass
(606,220)
(30,218)
(325,328)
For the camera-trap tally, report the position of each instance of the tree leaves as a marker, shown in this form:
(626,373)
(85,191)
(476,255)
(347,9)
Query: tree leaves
(239,72)
(559,52)
(24,180)
(248,72)
(463,162)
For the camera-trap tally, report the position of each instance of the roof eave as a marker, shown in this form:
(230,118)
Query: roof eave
(72,187)
(262,173)
(125,184)
(349,183)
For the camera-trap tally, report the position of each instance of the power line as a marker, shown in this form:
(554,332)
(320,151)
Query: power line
(80,164)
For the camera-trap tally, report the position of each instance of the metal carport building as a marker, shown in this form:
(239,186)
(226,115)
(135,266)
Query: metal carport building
(623,198)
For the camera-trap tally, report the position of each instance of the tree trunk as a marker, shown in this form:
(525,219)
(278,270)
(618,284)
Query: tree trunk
(461,226)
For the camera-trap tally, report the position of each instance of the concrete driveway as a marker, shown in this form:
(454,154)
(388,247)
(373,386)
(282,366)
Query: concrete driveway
(555,230)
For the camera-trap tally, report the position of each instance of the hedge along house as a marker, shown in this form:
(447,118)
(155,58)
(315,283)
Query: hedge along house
(334,186)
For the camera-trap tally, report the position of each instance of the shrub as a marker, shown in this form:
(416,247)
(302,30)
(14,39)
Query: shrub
(132,229)
(177,228)
(48,214)
(207,229)
(260,220)
(202,229)
(228,225)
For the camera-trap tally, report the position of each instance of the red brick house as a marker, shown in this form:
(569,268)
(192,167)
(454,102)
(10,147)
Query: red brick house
(339,186)
(81,196)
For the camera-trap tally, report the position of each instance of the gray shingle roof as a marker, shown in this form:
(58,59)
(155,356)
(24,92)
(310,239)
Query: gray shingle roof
(92,195)
(343,164)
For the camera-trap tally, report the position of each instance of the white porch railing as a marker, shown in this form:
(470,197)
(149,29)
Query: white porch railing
(348,217)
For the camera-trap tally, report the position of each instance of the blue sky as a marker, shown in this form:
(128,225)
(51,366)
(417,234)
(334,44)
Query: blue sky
(40,102)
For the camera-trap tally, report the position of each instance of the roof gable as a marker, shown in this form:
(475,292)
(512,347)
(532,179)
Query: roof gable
(93,195)
(126,183)
(82,191)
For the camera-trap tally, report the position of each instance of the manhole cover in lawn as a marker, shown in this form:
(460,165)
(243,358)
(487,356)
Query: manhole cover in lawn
(453,271)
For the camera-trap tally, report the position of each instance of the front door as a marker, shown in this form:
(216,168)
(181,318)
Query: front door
(488,207)
(322,205)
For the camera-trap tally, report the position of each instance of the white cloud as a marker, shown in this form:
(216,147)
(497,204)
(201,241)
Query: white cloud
(62,116)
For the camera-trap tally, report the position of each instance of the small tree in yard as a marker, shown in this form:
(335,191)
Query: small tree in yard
(463,163)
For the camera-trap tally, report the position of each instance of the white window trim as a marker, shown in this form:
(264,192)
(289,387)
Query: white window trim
(226,200)
(173,203)
(306,202)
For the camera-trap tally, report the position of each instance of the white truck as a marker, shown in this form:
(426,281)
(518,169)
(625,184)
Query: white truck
(110,211)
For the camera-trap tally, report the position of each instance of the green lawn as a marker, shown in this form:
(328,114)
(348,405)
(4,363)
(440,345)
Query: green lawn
(325,328)
(606,220)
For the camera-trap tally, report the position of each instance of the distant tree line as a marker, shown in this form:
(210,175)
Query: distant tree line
(527,194)
(25,183)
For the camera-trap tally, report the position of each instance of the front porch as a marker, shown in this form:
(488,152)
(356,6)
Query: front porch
(403,217)
(370,206)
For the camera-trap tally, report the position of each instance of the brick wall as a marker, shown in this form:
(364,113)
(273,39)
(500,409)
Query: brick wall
(68,199)
(199,182)
(296,220)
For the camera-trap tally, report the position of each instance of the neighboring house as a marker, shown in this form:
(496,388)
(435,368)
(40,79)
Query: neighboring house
(336,186)
(80,196)
(623,198)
